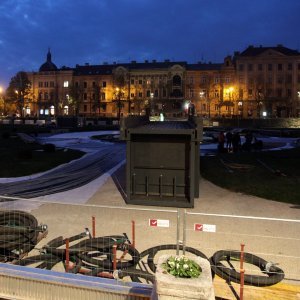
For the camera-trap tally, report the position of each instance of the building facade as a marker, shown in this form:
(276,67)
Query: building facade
(258,82)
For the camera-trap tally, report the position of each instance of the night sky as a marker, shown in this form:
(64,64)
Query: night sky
(97,31)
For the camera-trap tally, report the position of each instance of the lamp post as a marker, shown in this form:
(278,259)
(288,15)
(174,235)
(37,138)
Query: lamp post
(201,94)
(118,93)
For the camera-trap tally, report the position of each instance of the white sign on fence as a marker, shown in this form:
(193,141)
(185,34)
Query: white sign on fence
(205,227)
(159,223)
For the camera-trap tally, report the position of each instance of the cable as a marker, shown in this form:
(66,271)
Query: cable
(19,233)
(273,274)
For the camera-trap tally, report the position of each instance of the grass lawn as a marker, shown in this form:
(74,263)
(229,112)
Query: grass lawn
(20,159)
(272,175)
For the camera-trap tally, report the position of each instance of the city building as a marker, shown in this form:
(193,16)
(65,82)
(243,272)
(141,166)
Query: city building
(268,81)
(258,82)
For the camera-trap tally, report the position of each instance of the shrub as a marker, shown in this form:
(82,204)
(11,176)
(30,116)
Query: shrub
(49,148)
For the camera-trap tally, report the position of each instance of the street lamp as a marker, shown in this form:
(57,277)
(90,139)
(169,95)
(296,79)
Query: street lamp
(21,102)
(151,103)
(201,94)
(118,93)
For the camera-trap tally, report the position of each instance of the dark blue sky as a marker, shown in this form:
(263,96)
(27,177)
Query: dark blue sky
(97,31)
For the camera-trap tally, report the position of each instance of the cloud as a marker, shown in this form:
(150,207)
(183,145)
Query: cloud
(122,30)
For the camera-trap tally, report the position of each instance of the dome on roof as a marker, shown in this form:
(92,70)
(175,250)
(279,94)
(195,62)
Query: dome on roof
(48,65)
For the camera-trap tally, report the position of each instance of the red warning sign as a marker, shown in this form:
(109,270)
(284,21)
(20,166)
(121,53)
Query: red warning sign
(198,227)
(159,223)
(153,222)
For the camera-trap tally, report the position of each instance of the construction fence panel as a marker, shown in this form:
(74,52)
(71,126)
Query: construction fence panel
(107,242)
(270,249)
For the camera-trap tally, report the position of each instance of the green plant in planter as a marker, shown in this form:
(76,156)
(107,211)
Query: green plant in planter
(182,267)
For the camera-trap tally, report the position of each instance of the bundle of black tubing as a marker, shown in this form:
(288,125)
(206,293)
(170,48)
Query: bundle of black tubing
(93,255)
(271,273)
(19,231)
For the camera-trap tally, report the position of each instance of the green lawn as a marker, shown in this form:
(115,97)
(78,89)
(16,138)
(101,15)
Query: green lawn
(272,175)
(19,159)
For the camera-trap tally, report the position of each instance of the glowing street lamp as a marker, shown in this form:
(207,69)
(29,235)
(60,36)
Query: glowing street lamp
(118,93)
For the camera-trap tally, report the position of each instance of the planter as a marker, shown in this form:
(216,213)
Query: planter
(168,287)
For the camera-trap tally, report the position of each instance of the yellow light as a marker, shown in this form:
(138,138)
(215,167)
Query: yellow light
(230,89)
(117,89)
(1,89)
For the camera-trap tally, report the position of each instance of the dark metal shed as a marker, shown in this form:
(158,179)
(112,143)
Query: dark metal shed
(162,161)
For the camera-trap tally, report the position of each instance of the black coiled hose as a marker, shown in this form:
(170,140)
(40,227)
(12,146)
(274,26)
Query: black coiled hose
(19,233)
(271,273)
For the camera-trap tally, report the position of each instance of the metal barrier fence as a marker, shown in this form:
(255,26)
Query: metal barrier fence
(76,241)
(270,245)
(103,241)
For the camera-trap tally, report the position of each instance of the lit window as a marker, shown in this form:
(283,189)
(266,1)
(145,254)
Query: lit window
(27,110)
(41,111)
(66,83)
(46,112)
(52,110)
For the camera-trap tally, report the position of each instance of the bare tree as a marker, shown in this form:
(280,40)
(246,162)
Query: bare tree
(18,91)
(75,97)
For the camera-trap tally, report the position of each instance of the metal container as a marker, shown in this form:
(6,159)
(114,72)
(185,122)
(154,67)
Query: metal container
(162,161)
